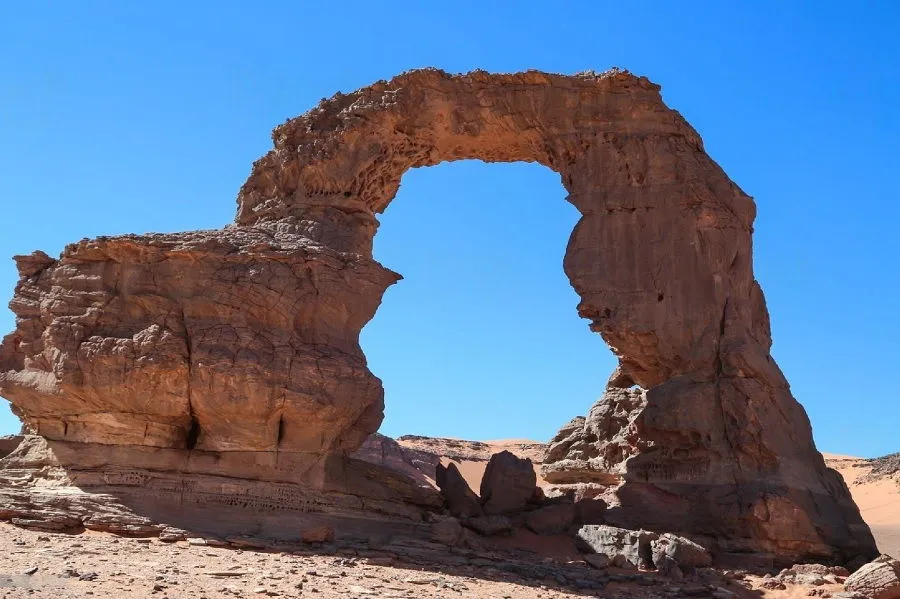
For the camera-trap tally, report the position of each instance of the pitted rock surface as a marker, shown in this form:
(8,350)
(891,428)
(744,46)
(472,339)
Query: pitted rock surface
(879,579)
(245,339)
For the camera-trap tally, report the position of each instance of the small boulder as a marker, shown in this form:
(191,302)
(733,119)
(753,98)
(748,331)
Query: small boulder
(318,534)
(462,502)
(490,525)
(669,550)
(552,519)
(590,511)
(170,535)
(508,483)
(625,548)
(600,561)
(879,579)
(446,530)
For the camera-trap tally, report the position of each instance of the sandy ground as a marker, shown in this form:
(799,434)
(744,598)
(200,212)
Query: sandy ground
(878,501)
(92,564)
(38,564)
(102,565)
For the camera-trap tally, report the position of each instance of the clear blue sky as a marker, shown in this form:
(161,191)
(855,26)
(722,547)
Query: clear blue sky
(123,117)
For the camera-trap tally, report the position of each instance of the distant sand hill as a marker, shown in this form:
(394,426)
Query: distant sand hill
(875,486)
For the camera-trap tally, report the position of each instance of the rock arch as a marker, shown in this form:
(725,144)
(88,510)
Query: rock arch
(244,341)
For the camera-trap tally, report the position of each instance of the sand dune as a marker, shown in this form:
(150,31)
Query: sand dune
(878,498)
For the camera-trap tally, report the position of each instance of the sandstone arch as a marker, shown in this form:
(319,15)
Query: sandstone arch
(244,341)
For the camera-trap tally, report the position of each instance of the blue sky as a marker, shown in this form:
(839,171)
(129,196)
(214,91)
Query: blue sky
(133,117)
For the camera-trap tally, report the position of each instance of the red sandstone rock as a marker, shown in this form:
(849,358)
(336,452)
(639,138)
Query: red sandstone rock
(509,483)
(551,519)
(245,340)
(461,500)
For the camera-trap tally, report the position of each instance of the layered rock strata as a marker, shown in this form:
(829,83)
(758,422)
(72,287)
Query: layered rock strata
(691,468)
(244,341)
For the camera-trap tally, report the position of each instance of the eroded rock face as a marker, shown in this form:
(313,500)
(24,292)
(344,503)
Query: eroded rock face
(509,483)
(246,339)
(461,500)
(420,466)
(879,579)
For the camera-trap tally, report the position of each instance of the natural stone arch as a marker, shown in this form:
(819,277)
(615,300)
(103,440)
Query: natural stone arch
(237,351)
(653,205)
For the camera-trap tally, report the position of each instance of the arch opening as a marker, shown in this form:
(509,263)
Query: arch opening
(483,329)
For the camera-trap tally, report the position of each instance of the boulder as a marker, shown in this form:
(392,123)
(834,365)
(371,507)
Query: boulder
(600,561)
(686,554)
(625,548)
(508,484)
(551,519)
(318,534)
(461,500)
(490,525)
(446,530)
(879,579)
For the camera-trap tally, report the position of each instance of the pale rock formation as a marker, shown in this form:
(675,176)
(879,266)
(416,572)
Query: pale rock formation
(669,549)
(235,352)
(624,548)
(879,579)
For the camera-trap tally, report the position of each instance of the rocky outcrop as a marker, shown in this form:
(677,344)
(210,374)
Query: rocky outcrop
(655,465)
(421,466)
(624,548)
(461,500)
(63,486)
(595,449)
(8,443)
(551,519)
(879,579)
(244,340)
(509,483)
(670,550)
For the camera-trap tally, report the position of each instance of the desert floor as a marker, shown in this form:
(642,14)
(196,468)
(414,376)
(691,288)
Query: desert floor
(92,564)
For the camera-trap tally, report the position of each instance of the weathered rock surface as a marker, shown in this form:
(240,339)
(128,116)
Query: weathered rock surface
(595,449)
(655,465)
(461,500)
(63,486)
(624,548)
(8,443)
(879,579)
(551,519)
(669,549)
(420,466)
(245,340)
(509,483)
(490,525)
(446,530)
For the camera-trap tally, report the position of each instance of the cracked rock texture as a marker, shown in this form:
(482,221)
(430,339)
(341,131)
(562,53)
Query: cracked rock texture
(246,339)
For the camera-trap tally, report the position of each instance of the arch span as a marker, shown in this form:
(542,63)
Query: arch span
(247,339)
